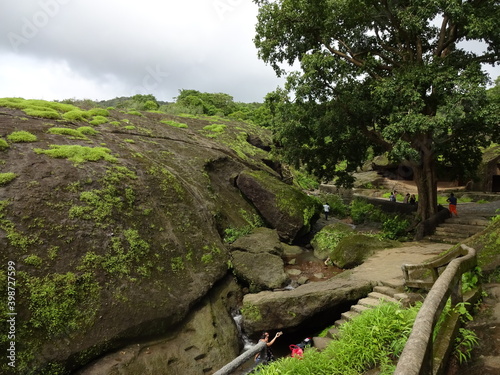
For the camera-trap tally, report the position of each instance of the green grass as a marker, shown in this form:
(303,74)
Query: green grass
(22,136)
(78,154)
(3,144)
(5,178)
(73,133)
(174,123)
(98,120)
(374,338)
(214,130)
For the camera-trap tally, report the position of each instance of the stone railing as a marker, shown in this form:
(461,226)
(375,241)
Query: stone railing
(241,359)
(418,354)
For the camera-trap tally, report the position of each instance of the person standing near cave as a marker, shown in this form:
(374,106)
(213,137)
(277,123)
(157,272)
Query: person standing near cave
(266,355)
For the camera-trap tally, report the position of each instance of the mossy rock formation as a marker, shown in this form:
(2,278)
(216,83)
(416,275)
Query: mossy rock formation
(116,234)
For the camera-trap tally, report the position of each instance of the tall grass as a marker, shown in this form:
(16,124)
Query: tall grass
(375,338)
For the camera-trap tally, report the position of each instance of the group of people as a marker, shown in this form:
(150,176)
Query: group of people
(408,199)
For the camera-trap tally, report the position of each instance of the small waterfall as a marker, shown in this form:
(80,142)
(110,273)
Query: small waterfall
(238,318)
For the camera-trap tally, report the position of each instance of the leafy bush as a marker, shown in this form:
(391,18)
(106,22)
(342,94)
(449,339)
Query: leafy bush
(394,228)
(362,211)
(135,113)
(42,112)
(78,154)
(22,136)
(337,206)
(5,178)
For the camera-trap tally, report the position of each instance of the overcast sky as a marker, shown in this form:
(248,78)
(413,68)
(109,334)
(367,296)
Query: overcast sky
(91,49)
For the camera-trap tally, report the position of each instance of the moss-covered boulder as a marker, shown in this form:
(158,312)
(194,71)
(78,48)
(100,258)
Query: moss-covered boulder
(261,240)
(114,229)
(261,271)
(284,207)
(326,240)
(354,249)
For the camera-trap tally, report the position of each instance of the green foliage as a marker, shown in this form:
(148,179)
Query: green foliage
(174,123)
(33,260)
(337,206)
(73,133)
(78,154)
(7,177)
(327,239)
(214,130)
(114,197)
(75,115)
(135,113)
(87,130)
(395,228)
(21,136)
(304,180)
(231,234)
(471,279)
(374,338)
(98,120)
(362,211)
(3,144)
(61,303)
(464,344)
(398,90)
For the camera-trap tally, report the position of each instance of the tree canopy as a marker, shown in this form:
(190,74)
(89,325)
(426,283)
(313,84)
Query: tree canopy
(382,76)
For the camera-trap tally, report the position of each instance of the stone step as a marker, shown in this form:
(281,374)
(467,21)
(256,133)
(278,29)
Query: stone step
(382,297)
(475,220)
(359,308)
(339,322)
(387,290)
(451,227)
(349,315)
(369,302)
(332,332)
(466,233)
(448,238)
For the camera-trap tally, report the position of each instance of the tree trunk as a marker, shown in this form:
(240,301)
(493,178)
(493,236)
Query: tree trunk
(426,181)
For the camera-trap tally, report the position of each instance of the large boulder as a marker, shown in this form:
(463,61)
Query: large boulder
(354,249)
(205,341)
(286,208)
(326,240)
(261,240)
(285,309)
(115,230)
(256,260)
(260,271)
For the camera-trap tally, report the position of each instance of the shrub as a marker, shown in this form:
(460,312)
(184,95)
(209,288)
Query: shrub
(98,112)
(215,129)
(67,131)
(78,154)
(5,178)
(98,120)
(87,130)
(336,203)
(3,144)
(394,228)
(42,112)
(22,136)
(174,123)
(135,113)
(75,115)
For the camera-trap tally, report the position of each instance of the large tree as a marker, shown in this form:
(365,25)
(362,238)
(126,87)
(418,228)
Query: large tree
(382,76)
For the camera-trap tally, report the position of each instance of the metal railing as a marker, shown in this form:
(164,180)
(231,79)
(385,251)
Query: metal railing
(417,355)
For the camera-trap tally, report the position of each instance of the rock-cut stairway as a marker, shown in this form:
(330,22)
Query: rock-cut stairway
(380,294)
(457,229)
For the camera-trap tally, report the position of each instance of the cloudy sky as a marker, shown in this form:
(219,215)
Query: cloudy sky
(91,49)
(101,49)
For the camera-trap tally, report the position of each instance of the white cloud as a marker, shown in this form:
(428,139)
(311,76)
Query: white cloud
(99,49)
